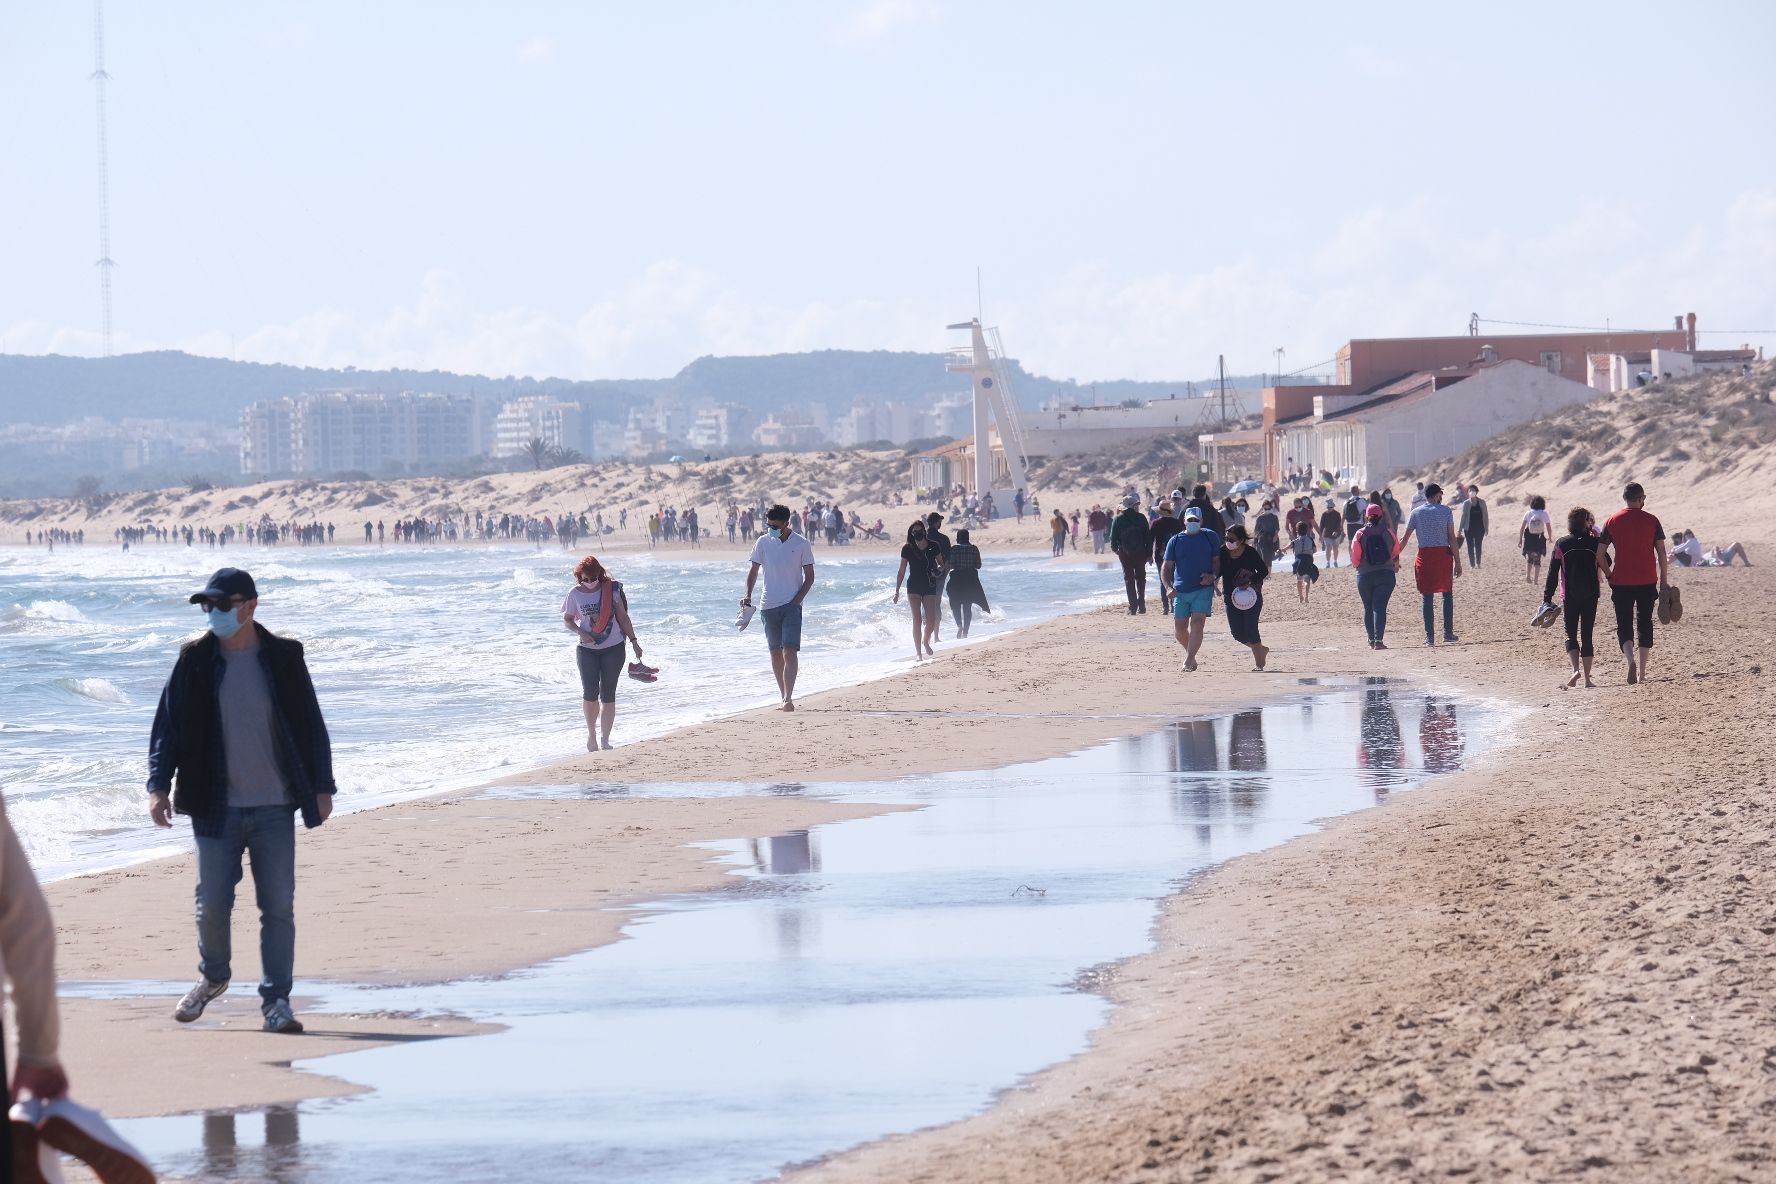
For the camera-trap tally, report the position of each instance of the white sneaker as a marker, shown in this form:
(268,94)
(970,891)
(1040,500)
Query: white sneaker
(33,1161)
(198,998)
(82,1132)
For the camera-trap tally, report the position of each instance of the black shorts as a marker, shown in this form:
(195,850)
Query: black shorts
(1535,545)
(599,672)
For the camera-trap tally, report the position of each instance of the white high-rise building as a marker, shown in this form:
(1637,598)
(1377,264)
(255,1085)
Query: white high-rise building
(349,431)
(557,423)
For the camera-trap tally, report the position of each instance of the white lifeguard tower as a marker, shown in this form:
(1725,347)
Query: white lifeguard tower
(999,456)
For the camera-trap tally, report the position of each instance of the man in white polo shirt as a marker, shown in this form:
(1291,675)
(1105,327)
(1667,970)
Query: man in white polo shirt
(788,564)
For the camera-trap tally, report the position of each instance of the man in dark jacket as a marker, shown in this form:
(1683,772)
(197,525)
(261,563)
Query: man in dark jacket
(1163,528)
(1211,517)
(239,746)
(1132,540)
(1474,524)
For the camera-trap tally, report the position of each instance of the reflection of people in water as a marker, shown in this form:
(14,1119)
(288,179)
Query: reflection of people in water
(1246,754)
(785,855)
(1440,737)
(1381,750)
(1196,751)
(281,1160)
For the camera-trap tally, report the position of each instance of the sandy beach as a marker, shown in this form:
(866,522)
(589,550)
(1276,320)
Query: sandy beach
(1553,958)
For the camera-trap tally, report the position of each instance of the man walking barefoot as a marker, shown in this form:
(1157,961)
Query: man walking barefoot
(240,732)
(1192,565)
(788,563)
(1637,541)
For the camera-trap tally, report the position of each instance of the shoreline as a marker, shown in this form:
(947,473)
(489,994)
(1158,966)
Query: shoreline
(1400,912)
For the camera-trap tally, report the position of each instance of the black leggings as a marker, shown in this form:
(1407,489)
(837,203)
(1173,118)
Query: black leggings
(1634,613)
(1581,618)
(1243,622)
(599,672)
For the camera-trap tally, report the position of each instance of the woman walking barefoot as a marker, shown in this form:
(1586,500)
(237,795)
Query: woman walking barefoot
(597,611)
(1243,571)
(919,566)
(1574,569)
(964,584)
(1532,537)
(1305,570)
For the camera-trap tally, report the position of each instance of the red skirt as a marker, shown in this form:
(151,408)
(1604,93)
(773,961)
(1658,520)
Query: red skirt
(1433,569)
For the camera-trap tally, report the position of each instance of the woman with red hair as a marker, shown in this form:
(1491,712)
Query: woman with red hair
(597,612)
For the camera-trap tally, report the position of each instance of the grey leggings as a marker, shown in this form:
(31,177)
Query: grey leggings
(599,672)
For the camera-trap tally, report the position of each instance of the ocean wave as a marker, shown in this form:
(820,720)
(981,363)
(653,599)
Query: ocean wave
(99,690)
(46,610)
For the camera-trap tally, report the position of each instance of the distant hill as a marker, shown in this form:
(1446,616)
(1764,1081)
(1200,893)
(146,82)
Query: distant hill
(168,384)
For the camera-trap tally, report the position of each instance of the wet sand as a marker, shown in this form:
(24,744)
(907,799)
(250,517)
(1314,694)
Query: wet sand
(1557,962)
(1527,965)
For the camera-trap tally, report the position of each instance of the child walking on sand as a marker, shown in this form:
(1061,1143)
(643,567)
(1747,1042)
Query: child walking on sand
(1305,570)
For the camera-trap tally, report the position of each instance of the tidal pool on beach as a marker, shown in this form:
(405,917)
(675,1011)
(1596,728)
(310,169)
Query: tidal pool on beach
(857,980)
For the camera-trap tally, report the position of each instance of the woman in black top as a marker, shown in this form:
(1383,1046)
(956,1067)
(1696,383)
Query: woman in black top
(1270,529)
(1243,571)
(920,566)
(1574,568)
(964,583)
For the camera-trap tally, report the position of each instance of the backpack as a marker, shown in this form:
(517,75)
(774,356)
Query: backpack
(1135,536)
(1353,510)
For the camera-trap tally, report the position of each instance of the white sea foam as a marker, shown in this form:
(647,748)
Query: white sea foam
(435,666)
(99,690)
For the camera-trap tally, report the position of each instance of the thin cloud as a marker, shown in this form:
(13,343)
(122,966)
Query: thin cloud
(882,18)
(537,50)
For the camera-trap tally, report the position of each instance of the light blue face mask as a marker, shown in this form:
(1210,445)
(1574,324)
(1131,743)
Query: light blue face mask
(224,622)
(1191,526)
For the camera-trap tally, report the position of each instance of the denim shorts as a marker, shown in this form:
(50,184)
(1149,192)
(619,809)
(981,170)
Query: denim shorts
(1188,602)
(783,627)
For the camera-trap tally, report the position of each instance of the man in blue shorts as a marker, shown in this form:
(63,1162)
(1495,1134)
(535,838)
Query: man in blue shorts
(1192,563)
(787,560)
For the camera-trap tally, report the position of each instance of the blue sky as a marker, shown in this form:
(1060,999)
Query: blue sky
(602,190)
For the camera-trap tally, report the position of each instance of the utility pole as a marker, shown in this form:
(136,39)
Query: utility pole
(1279,354)
(100,78)
(1221,370)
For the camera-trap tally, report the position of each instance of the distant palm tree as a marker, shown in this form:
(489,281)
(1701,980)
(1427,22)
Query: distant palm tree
(538,450)
(565,456)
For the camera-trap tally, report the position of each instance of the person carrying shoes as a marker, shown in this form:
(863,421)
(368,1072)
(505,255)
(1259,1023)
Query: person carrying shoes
(240,747)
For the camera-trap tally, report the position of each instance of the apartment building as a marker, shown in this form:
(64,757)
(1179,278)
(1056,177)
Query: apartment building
(345,431)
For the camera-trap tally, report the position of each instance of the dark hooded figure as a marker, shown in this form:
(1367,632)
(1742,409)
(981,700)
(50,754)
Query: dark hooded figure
(964,583)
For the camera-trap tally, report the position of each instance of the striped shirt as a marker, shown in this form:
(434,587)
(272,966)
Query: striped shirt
(1433,523)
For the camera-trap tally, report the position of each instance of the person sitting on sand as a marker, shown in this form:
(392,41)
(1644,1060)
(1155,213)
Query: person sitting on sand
(1242,573)
(920,570)
(597,612)
(1576,570)
(964,586)
(1686,551)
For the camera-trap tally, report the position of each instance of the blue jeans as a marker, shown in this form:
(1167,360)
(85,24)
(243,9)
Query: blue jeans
(1431,617)
(268,835)
(1376,588)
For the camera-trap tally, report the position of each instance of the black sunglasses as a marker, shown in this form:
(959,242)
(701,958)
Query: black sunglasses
(231,602)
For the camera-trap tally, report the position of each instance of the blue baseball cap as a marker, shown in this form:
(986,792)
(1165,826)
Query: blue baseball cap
(227,583)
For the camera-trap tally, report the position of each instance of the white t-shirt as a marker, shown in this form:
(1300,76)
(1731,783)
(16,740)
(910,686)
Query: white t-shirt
(1691,547)
(782,562)
(1538,522)
(585,606)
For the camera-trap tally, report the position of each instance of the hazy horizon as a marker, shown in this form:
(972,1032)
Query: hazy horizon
(611,192)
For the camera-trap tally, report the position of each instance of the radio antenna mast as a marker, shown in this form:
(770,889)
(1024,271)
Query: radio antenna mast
(100,78)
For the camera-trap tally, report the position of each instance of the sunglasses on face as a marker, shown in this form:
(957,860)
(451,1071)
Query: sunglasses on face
(230,602)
